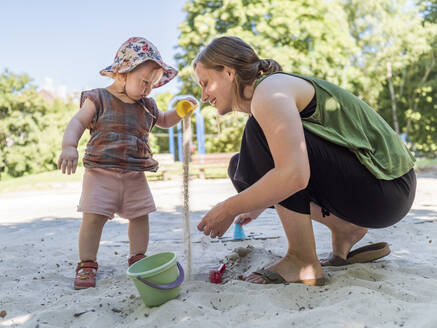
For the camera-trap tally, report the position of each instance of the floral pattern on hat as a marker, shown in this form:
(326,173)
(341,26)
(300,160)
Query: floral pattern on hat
(134,52)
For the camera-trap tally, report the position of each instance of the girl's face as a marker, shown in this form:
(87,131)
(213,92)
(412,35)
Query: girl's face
(216,87)
(140,82)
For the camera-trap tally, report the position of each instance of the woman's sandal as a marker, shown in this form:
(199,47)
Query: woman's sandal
(135,258)
(365,254)
(271,277)
(85,275)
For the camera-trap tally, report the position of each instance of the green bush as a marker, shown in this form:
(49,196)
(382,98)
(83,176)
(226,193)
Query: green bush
(30,127)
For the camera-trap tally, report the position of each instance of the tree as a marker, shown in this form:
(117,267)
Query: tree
(393,36)
(430,9)
(415,87)
(30,128)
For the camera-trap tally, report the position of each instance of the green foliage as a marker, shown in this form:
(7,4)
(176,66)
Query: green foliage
(417,103)
(420,102)
(387,32)
(29,127)
(430,9)
(224,134)
(415,87)
(310,37)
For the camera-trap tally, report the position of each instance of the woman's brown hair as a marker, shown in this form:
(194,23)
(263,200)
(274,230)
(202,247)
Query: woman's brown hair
(233,52)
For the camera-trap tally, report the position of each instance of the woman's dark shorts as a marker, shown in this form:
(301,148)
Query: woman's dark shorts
(339,183)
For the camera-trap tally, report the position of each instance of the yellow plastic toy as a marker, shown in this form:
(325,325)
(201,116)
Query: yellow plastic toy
(185,107)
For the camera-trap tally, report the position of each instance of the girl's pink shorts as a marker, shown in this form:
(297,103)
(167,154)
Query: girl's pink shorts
(112,190)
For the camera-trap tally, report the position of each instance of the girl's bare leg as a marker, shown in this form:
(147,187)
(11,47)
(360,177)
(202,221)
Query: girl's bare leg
(138,232)
(90,233)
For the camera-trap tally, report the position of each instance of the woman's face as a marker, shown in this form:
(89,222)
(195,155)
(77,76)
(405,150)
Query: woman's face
(216,87)
(140,82)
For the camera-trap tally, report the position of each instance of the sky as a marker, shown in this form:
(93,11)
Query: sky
(63,44)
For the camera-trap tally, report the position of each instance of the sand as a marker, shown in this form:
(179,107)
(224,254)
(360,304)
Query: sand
(38,254)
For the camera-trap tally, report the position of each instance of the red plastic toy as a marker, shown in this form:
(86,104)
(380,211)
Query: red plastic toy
(215,275)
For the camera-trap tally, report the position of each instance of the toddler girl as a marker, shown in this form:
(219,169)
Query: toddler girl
(120,118)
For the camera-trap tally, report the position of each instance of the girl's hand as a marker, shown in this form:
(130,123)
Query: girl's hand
(191,100)
(185,107)
(67,161)
(217,221)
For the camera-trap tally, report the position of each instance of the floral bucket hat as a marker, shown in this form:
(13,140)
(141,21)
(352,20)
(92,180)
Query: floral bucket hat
(134,52)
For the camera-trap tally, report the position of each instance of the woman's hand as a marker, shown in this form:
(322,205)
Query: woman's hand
(217,221)
(248,217)
(67,161)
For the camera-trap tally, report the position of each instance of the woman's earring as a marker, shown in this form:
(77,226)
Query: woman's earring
(235,116)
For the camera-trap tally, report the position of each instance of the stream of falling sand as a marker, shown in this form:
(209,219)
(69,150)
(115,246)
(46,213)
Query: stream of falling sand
(186,177)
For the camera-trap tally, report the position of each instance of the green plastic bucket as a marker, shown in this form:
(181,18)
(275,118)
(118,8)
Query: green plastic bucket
(157,278)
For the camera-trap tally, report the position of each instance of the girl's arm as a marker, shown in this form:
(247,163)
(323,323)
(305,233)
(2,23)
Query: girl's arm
(274,107)
(168,119)
(184,107)
(67,161)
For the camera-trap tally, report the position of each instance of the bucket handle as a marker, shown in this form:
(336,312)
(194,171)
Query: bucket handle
(174,284)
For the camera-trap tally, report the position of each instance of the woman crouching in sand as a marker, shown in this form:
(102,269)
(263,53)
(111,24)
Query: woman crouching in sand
(310,149)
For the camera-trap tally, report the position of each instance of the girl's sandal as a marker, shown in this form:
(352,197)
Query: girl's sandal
(135,258)
(85,275)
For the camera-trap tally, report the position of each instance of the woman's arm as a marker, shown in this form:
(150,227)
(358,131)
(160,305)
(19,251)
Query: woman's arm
(274,107)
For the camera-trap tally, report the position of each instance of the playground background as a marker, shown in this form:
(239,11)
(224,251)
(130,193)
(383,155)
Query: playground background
(382,50)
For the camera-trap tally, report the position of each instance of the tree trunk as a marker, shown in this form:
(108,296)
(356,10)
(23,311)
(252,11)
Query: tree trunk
(394,109)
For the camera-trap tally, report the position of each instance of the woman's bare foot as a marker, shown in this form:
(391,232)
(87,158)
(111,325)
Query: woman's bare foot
(291,269)
(343,233)
(245,218)
(344,238)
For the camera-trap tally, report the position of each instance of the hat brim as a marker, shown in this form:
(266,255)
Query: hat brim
(169,72)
